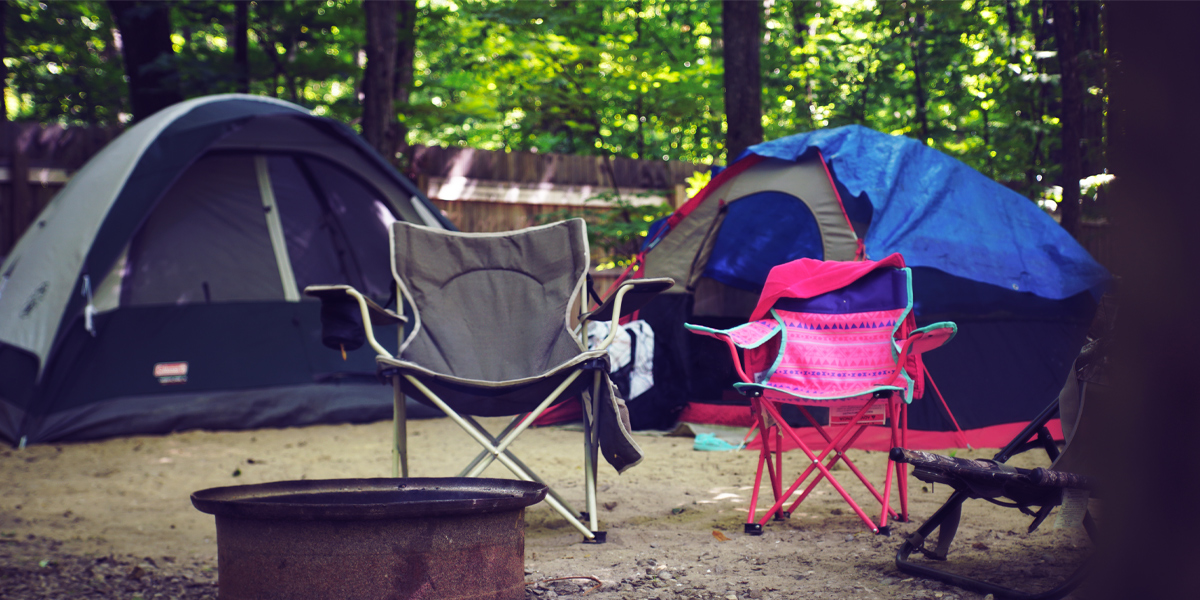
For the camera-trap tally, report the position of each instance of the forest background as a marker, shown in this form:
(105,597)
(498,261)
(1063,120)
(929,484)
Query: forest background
(1016,89)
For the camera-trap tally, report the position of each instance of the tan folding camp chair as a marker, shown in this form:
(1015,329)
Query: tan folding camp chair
(496,326)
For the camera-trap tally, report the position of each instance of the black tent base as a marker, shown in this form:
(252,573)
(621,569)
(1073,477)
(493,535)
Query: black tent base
(258,408)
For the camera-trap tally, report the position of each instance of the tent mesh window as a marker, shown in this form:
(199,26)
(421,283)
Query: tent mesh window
(209,237)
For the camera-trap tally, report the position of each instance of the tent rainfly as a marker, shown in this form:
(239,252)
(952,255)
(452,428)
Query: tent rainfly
(159,290)
(1021,290)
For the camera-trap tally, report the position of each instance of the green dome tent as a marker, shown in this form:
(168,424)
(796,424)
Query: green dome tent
(159,290)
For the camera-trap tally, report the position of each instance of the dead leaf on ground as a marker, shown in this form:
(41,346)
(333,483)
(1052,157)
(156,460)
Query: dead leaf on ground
(720,536)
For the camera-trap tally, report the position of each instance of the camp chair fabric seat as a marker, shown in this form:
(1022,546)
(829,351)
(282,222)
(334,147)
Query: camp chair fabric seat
(495,328)
(835,334)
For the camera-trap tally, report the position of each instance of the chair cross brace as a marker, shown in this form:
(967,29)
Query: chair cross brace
(493,451)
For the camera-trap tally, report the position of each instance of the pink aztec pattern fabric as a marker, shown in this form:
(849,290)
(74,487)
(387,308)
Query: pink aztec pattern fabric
(836,355)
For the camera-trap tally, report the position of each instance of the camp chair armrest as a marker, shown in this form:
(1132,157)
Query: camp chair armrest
(733,348)
(631,296)
(925,339)
(372,313)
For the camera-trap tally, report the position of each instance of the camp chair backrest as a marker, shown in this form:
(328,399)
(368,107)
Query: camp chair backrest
(494,306)
(840,343)
(880,290)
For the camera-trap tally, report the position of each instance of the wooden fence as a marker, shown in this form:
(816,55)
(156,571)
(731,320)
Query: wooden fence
(35,162)
(482,190)
(479,190)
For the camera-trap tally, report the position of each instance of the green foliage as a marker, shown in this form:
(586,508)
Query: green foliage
(697,181)
(63,63)
(641,78)
(985,82)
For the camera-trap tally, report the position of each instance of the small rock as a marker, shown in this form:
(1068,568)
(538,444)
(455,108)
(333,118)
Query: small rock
(989,596)
(850,538)
(731,596)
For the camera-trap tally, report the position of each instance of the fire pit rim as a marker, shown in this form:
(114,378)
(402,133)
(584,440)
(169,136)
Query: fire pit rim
(256,501)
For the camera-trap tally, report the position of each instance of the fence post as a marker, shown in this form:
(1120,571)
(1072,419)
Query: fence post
(679,197)
(21,197)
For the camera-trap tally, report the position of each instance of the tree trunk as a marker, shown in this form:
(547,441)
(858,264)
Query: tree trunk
(3,67)
(379,77)
(1091,73)
(916,34)
(1071,115)
(149,59)
(741,23)
(1037,24)
(800,10)
(406,47)
(1147,549)
(241,45)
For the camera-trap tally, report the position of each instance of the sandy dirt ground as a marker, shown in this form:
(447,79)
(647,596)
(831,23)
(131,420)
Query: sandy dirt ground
(113,519)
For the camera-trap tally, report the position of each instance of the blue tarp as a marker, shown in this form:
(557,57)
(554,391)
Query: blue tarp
(938,212)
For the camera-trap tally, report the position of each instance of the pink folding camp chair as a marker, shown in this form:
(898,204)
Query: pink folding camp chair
(839,335)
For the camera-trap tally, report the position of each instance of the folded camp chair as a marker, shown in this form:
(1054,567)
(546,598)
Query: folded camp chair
(1069,476)
(839,335)
(497,326)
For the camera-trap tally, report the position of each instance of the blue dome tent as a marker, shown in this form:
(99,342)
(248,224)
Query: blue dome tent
(1022,291)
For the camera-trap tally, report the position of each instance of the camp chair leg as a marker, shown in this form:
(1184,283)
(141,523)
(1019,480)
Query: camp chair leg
(399,430)
(497,452)
(591,447)
(889,472)
(777,472)
(764,458)
(772,459)
(900,434)
(816,462)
